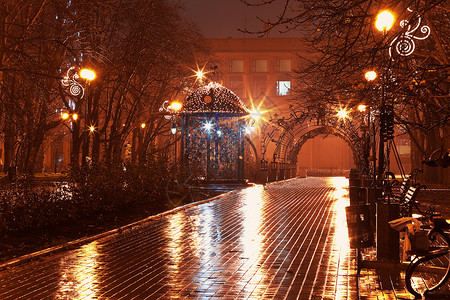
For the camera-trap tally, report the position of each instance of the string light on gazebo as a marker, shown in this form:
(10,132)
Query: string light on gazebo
(212,134)
(214,98)
(207,126)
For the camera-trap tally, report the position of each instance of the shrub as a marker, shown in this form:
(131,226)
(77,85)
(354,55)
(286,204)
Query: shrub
(89,193)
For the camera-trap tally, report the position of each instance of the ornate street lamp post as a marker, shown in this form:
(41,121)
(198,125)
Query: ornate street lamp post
(76,89)
(387,239)
(384,22)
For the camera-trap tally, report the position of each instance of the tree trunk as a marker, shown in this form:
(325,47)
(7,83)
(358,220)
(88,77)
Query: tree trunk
(76,143)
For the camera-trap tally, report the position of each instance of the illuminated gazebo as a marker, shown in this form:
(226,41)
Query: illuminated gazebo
(213,130)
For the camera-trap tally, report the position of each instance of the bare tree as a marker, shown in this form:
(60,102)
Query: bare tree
(30,55)
(140,51)
(342,43)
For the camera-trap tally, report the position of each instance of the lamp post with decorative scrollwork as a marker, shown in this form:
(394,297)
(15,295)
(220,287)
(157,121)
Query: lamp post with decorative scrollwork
(402,45)
(76,91)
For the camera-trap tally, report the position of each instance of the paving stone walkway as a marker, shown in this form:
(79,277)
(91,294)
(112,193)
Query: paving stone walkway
(285,240)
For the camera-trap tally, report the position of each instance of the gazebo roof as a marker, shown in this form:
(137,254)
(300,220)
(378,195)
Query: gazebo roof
(214,98)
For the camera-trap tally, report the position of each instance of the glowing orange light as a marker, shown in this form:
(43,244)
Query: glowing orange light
(384,21)
(255,114)
(370,75)
(176,106)
(75,117)
(200,74)
(342,114)
(143,125)
(65,116)
(87,74)
(362,108)
(91,128)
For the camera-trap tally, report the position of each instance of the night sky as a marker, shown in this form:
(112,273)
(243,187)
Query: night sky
(223,18)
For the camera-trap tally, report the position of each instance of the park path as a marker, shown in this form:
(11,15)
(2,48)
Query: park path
(285,240)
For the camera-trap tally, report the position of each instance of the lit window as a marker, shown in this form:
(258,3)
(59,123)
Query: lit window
(283,87)
(284,65)
(260,65)
(237,66)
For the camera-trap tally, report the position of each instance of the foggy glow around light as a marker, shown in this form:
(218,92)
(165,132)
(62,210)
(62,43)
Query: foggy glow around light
(370,75)
(66,116)
(384,21)
(199,74)
(143,125)
(257,112)
(91,128)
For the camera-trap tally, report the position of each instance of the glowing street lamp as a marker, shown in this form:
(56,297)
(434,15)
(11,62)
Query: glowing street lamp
(342,114)
(87,74)
(200,75)
(66,116)
(255,114)
(91,128)
(176,106)
(143,125)
(384,21)
(170,107)
(370,75)
(362,108)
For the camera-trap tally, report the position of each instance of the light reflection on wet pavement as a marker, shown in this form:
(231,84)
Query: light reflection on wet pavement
(286,240)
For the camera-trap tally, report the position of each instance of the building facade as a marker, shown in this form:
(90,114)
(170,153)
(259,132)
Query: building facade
(260,71)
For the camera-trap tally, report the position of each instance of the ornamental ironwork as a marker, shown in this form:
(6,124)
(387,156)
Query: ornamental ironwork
(214,123)
(70,81)
(404,44)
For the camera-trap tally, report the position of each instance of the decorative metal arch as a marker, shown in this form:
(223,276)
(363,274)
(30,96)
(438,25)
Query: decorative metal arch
(315,131)
(289,134)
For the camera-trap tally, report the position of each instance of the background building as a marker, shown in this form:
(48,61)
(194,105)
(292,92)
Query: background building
(260,71)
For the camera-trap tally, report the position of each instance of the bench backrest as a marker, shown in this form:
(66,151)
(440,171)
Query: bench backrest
(406,184)
(411,194)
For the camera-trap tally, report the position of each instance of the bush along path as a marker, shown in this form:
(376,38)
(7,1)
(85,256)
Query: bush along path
(35,216)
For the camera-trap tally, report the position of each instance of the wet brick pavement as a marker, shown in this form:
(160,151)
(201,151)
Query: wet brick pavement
(286,240)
